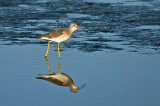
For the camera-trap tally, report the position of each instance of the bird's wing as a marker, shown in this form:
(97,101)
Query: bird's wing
(54,34)
(52,80)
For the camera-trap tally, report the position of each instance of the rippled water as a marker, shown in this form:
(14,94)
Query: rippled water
(117,58)
(134,24)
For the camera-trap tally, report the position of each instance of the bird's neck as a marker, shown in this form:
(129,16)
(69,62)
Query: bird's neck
(72,86)
(71,30)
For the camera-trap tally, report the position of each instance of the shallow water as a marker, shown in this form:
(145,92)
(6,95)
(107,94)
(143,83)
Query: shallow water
(117,58)
(134,24)
(112,78)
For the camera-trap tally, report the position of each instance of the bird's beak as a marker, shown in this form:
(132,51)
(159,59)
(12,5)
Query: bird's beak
(82,86)
(79,28)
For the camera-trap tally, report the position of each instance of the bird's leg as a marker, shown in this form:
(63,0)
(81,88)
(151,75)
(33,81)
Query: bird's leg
(47,49)
(59,65)
(48,66)
(58,51)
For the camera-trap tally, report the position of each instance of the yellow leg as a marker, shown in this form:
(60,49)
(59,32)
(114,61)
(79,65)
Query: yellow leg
(59,65)
(48,66)
(47,49)
(58,51)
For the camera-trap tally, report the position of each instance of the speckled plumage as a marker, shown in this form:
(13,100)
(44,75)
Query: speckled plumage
(58,79)
(59,35)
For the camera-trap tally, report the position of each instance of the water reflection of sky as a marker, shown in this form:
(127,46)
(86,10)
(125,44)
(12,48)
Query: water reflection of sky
(111,78)
(119,62)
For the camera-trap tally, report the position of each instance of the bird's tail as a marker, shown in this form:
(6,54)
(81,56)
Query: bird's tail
(42,75)
(39,77)
(39,36)
(45,76)
(42,36)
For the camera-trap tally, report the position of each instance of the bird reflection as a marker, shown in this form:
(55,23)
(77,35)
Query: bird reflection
(60,79)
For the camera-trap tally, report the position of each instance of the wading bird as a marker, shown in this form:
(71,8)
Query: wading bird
(60,79)
(59,35)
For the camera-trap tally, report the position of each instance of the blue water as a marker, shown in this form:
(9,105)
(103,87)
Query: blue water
(112,78)
(117,58)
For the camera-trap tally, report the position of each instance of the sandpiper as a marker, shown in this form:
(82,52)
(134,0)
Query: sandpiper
(60,35)
(60,79)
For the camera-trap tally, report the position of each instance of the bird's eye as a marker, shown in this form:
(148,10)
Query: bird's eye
(74,25)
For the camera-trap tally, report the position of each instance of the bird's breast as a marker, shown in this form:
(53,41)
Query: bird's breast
(62,77)
(61,38)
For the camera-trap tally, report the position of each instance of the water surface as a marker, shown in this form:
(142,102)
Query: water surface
(118,58)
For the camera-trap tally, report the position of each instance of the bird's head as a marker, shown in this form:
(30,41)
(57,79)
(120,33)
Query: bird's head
(74,26)
(74,89)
